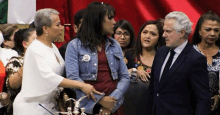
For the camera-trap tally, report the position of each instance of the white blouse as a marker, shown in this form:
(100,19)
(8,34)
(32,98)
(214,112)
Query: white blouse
(41,77)
(6,54)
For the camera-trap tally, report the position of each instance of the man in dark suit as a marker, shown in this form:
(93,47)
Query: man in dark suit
(179,80)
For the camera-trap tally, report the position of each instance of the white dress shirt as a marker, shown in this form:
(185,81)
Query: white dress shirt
(177,51)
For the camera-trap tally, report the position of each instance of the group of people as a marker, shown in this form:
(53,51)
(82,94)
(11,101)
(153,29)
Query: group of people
(157,73)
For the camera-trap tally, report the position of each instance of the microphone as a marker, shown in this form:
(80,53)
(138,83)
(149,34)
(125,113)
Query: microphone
(46,109)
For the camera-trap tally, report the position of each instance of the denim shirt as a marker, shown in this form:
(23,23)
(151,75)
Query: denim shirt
(80,68)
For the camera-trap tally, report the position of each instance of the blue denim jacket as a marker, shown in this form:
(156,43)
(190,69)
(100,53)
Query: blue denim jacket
(80,69)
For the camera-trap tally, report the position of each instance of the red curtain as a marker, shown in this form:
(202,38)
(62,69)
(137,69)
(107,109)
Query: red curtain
(135,11)
(65,16)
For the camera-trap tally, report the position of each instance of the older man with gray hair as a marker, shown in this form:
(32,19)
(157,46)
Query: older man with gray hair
(179,80)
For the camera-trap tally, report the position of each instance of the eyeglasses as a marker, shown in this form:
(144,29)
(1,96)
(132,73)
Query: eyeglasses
(119,34)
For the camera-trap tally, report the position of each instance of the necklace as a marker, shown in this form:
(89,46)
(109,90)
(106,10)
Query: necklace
(208,52)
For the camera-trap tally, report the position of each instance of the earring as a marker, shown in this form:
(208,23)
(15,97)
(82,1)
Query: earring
(200,36)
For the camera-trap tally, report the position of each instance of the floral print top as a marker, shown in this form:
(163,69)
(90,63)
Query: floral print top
(213,72)
(140,66)
(14,64)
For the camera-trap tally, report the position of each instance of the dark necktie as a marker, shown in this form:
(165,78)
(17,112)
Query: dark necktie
(167,66)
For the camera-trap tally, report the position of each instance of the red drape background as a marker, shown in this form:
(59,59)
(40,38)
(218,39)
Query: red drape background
(135,11)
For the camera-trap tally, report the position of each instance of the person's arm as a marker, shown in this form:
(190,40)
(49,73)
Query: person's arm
(72,72)
(200,85)
(123,81)
(86,88)
(15,79)
(215,105)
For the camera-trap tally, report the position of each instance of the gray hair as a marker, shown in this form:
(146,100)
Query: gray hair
(182,22)
(43,18)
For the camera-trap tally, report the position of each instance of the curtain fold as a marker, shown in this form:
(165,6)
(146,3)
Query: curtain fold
(137,12)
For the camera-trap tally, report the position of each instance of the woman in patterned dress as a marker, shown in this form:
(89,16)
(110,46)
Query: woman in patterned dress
(206,41)
(148,40)
(14,68)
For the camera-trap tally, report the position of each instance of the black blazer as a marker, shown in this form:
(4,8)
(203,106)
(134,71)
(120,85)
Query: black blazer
(185,89)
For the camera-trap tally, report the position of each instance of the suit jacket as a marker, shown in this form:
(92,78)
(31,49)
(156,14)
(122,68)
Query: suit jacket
(185,88)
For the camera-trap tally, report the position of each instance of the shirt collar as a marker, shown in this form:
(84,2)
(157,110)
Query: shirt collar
(180,48)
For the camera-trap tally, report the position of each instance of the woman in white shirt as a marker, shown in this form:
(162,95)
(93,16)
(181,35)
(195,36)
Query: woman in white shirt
(43,66)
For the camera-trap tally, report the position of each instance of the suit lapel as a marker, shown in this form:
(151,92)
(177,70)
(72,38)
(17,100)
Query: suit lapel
(159,62)
(180,59)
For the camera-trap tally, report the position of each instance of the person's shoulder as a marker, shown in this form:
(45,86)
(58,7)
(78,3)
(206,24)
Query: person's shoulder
(162,48)
(74,44)
(130,52)
(195,56)
(112,40)
(75,41)
(36,47)
(14,61)
(54,46)
(9,51)
(195,53)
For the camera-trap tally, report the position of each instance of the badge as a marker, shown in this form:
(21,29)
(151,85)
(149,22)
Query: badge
(86,58)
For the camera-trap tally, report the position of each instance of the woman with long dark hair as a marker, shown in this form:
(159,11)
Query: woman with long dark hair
(124,34)
(140,62)
(94,58)
(206,41)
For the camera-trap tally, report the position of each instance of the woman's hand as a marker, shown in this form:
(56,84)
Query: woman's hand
(104,111)
(143,75)
(108,102)
(216,101)
(89,90)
